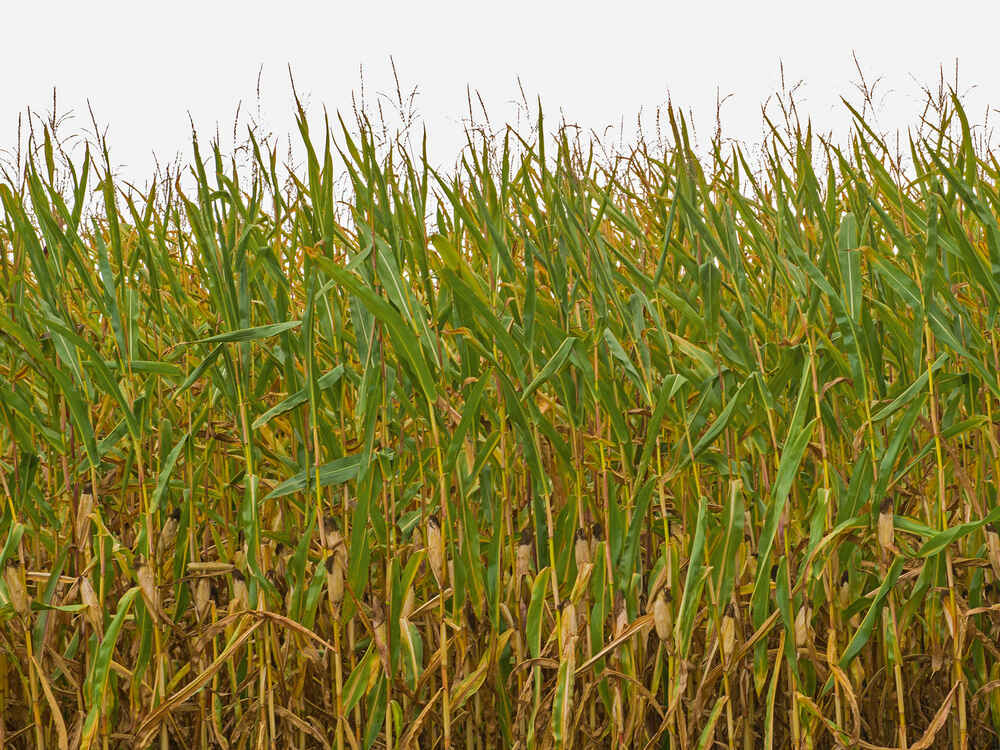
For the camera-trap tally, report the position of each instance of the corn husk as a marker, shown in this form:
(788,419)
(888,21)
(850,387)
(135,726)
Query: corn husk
(802,618)
(147,588)
(82,521)
(241,595)
(886,528)
(993,549)
(335,573)
(662,616)
(202,597)
(567,634)
(17,588)
(168,534)
(92,606)
(582,549)
(727,637)
(435,551)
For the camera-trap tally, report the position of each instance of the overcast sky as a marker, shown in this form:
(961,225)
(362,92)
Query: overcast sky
(144,67)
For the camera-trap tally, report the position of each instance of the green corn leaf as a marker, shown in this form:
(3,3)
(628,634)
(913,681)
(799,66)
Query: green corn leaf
(361,679)
(554,365)
(864,631)
(250,334)
(693,582)
(325,381)
(725,559)
(165,471)
(534,622)
(334,472)
(97,680)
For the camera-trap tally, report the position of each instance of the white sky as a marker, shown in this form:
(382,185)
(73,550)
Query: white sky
(144,66)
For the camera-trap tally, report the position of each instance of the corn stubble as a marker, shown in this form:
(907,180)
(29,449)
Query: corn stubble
(555,451)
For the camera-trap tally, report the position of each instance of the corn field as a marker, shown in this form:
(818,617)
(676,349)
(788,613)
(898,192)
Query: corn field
(663,450)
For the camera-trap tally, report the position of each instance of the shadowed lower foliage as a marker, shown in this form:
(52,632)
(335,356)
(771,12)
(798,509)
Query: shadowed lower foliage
(551,451)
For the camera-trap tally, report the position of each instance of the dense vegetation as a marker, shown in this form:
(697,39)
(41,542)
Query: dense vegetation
(550,451)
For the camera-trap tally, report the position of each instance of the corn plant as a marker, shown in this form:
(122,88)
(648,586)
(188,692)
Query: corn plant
(548,451)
